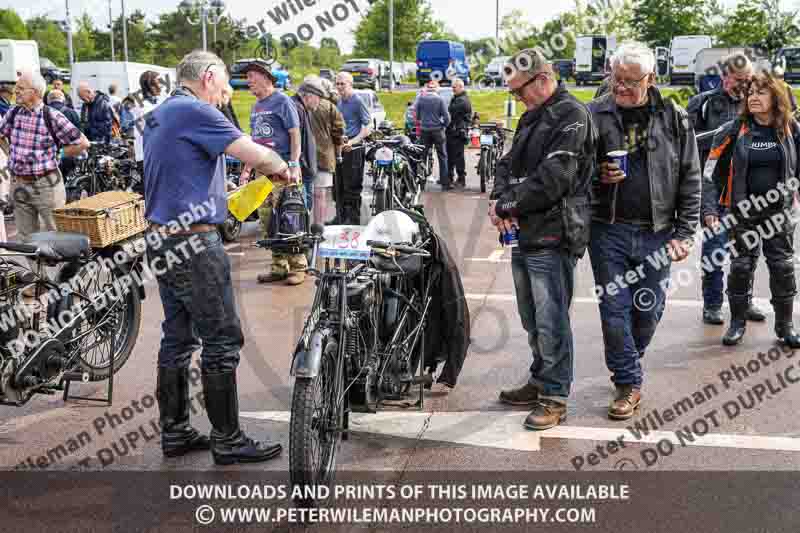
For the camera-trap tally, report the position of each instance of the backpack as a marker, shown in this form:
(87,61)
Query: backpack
(289,217)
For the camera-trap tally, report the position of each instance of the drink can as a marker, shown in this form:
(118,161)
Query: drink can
(620,157)
(511,238)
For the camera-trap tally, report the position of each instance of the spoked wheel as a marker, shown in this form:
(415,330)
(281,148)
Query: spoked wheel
(113,316)
(483,168)
(78,191)
(315,426)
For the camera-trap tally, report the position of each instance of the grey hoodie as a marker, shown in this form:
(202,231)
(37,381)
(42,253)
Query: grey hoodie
(431,111)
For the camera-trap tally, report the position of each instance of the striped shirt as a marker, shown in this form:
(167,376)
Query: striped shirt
(33,149)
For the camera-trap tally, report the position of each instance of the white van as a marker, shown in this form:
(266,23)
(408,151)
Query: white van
(101,74)
(683,55)
(16,55)
(592,54)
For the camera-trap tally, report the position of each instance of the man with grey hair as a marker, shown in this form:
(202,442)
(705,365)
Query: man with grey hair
(349,180)
(308,97)
(708,111)
(645,209)
(541,200)
(460,110)
(35,133)
(185,142)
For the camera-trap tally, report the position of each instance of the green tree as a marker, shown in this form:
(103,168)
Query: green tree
(783,30)
(746,26)
(51,40)
(83,39)
(657,21)
(11,25)
(413,22)
(516,33)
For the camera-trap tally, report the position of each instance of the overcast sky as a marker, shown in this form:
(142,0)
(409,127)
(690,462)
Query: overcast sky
(469,19)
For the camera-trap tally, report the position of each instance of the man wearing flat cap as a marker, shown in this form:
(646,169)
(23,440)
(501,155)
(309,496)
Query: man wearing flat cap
(275,123)
(307,99)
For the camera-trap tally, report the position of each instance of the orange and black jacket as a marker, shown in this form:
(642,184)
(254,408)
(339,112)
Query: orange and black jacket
(725,172)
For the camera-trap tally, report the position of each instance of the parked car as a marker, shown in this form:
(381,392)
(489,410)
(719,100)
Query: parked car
(565,68)
(50,72)
(441,56)
(366,73)
(374,106)
(327,73)
(789,59)
(239,77)
(494,70)
(397,74)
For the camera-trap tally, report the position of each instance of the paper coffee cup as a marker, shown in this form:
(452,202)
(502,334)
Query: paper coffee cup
(620,158)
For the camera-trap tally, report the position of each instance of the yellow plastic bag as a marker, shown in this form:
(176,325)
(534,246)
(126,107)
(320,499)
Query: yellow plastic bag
(244,200)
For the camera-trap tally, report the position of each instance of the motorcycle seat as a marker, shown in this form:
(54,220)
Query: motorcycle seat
(59,246)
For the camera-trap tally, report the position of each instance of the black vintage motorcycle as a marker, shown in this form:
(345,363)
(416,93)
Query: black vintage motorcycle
(396,166)
(362,345)
(80,327)
(106,167)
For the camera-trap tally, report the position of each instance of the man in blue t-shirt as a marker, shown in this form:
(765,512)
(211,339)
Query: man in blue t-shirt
(350,172)
(274,122)
(185,142)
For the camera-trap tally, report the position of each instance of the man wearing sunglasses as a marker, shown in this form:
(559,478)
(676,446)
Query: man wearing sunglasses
(642,219)
(542,187)
(708,111)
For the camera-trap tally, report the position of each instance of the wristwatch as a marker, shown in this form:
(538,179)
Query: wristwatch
(293,164)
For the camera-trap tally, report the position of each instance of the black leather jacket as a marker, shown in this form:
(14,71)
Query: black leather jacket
(544,179)
(708,111)
(725,173)
(460,114)
(673,164)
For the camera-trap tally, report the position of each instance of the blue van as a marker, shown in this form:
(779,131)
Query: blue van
(438,56)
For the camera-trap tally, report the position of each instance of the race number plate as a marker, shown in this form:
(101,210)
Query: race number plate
(345,242)
(487,139)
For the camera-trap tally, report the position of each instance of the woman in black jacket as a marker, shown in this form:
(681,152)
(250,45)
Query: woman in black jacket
(753,169)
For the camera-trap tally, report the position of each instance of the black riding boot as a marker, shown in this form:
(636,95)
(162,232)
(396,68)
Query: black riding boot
(172,392)
(229,444)
(784,326)
(736,331)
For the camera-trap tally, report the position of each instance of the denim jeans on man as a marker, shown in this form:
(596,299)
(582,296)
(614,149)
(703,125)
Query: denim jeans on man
(544,282)
(714,255)
(630,316)
(199,304)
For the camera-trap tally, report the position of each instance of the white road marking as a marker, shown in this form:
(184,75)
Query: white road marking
(671,302)
(236,253)
(474,428)
(232,246)
(504,430)
(495,257)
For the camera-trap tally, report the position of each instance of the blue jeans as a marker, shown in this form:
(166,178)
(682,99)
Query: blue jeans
(198,300)
(308,188)
(630,268)
(544,281)
(714,277)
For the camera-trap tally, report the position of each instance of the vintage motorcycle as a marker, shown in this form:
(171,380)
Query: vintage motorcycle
(80,327)
(106,167)
(361,346)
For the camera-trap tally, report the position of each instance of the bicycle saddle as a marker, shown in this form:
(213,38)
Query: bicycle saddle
(58,246)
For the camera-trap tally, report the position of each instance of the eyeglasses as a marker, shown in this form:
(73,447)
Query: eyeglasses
(628,84)
(340,83)
(19,89)
(518,91)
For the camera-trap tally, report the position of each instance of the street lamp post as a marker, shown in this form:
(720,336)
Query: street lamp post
(69,37)
(391,45)
(211,11)
(124,31)
(111,27)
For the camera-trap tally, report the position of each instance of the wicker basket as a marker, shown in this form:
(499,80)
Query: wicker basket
(106,218)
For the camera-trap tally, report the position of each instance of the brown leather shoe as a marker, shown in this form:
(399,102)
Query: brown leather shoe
(525,395)
(272,277)
(546,414)
(625,402)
